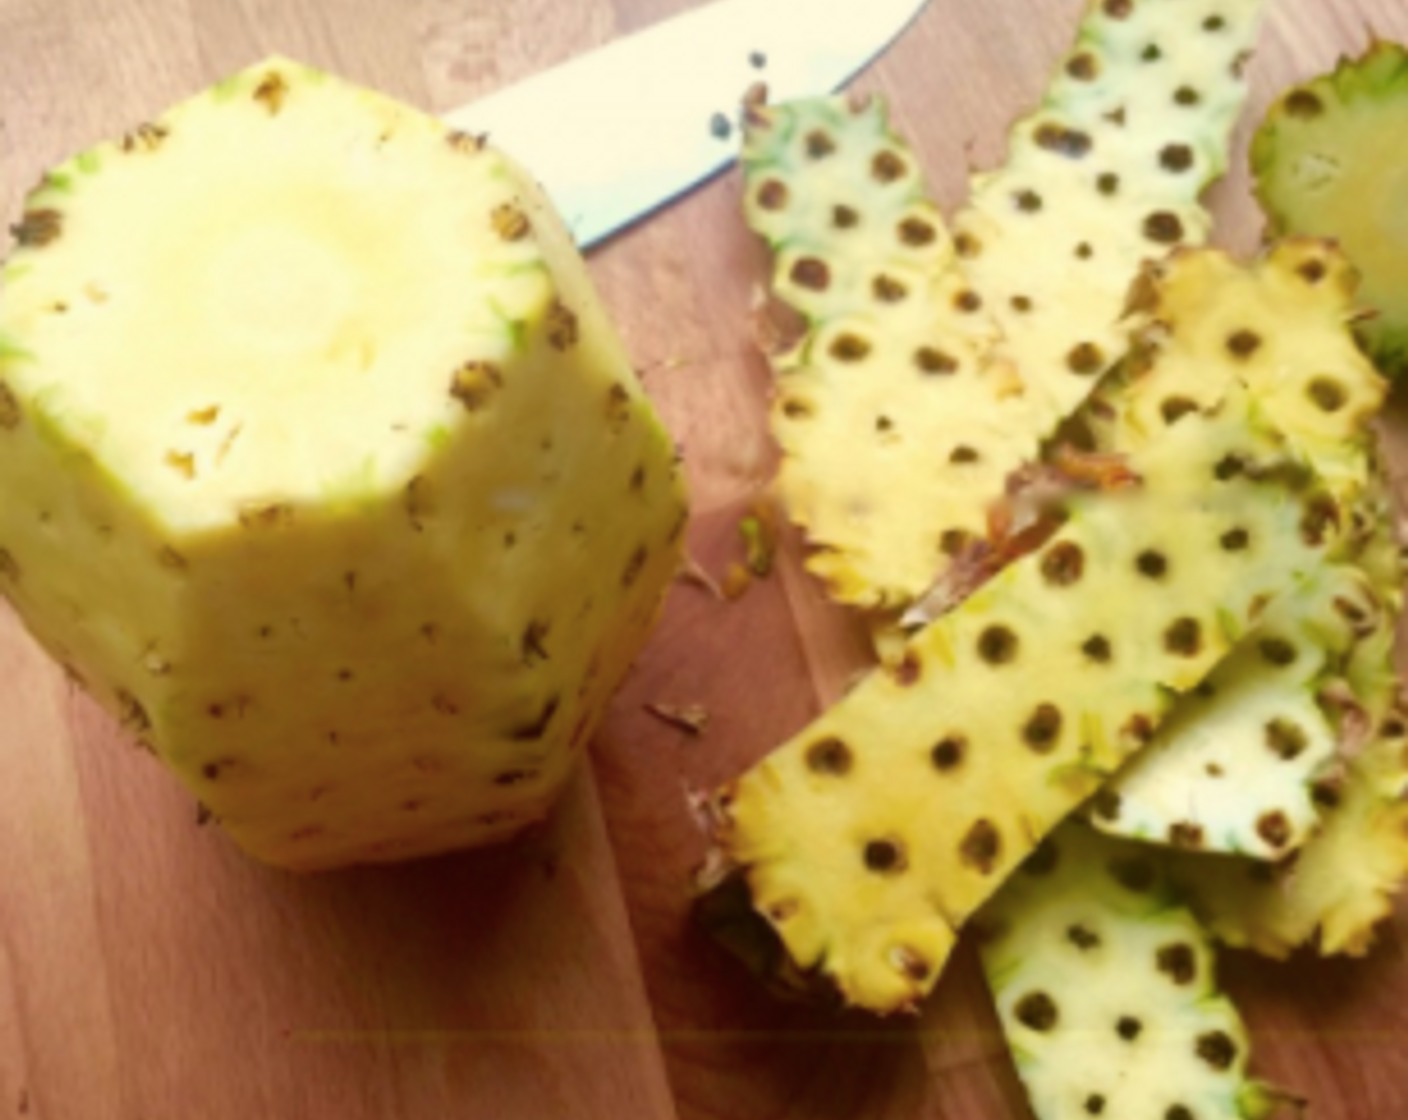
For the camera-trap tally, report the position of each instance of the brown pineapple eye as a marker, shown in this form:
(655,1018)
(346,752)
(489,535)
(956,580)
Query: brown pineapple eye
(1037,1011)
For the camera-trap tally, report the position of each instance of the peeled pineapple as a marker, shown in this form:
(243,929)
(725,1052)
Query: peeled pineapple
(324,469)
(1107,989)
(1327,162)
(866,841)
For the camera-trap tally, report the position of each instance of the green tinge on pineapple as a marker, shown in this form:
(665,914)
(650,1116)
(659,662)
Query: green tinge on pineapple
(1375,542)
(1327,161)
(1104,175)
(1107,990)
(885,423)
(867,839)
(921,381)
(332,481)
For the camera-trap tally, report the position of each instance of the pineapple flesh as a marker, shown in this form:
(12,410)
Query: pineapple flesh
(1326,163)
(867,840)
(929,367)
(1107,991)
(324,469)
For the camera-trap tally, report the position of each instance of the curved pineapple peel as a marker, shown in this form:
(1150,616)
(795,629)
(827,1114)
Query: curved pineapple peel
(1334,892)
(1234,767)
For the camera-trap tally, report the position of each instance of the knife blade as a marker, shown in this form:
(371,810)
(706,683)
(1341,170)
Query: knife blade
(616,132)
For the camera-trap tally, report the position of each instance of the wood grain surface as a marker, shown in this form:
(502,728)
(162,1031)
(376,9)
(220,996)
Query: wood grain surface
(148,971)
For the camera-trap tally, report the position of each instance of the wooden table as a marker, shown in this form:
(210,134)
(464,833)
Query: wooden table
(150,972)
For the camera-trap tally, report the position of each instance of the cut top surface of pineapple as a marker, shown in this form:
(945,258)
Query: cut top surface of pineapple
(290,307)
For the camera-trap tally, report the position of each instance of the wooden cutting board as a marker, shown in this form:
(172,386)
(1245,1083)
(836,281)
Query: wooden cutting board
(150,972)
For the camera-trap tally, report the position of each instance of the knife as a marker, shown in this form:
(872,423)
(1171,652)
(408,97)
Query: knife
(615,133)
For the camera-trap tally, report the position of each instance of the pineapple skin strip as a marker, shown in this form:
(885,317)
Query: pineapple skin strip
(1106,988)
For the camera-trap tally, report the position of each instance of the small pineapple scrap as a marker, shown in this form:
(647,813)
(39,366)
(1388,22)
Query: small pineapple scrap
(1107,989)
(1235,767)
(1327,161)
(929,367)
(866,841)
(324,468)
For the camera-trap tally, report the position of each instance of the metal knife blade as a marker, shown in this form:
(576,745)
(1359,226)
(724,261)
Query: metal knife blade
(614,133)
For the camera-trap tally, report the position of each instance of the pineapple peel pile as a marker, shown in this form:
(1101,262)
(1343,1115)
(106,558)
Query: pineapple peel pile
(940,361)
(1183,635)
(870,838)
(324,470)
